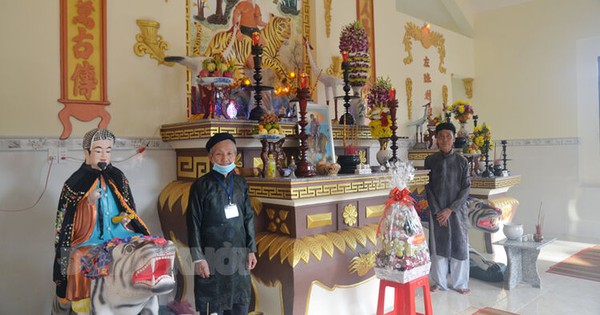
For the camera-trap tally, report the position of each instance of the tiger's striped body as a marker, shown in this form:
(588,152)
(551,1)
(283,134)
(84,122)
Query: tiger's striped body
(275,34)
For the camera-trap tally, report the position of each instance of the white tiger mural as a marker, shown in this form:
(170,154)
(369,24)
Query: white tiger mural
(137,270)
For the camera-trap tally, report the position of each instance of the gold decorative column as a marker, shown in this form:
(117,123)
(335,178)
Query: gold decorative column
(468,83)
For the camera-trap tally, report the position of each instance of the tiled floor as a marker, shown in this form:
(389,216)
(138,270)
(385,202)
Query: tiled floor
(557,295)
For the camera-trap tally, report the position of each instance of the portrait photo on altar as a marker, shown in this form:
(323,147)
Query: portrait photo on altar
(320,135)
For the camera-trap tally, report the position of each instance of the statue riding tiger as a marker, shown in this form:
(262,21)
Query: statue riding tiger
(127,276)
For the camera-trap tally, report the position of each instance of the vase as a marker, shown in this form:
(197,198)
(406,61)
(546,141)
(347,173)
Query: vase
(462,135)
(384,154)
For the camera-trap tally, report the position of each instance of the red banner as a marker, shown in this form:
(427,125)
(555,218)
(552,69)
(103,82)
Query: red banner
(83,62)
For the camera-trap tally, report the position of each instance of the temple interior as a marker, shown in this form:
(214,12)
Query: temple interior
(519,79)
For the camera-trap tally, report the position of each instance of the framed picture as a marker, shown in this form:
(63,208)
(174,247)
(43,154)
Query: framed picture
(320,135)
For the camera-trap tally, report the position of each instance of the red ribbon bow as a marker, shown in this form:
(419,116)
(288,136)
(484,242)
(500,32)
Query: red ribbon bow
(396,195)
(401,196)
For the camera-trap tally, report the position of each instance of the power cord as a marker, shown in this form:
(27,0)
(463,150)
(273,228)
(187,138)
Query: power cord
(139,150)
(50,160)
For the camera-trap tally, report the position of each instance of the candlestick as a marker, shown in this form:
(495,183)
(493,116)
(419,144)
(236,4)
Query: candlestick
(487,173)
(344,56)
(393,105)
(304,168)
(346,118)
(475,117)
(258,111)
(504,169)
(448,115)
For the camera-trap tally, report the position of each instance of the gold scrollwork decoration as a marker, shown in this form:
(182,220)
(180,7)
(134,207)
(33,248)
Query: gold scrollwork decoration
(409,89)
(468,83)
(427,38)
(445,94)
(350,215)
(149,42)
(327,4)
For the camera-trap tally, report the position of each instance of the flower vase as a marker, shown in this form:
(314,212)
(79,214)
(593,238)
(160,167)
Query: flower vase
(462,135)
(384,154)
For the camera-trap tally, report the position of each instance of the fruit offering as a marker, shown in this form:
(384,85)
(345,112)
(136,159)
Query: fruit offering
(268,125)
(216,67)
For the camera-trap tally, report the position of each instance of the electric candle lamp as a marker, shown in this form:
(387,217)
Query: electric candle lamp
(303,80)
(255,38)
(247,82)
(345,56)
(292,75)
(392,94)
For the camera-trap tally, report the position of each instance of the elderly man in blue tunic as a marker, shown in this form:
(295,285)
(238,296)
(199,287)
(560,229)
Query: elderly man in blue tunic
(447,194)
(221,233)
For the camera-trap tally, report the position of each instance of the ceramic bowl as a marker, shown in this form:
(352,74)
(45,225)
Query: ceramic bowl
(513,231)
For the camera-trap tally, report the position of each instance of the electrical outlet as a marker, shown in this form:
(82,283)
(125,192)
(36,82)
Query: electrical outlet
(62,155)
(53,154)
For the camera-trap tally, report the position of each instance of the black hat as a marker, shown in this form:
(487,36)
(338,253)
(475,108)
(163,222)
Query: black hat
(216,138)
(445,126)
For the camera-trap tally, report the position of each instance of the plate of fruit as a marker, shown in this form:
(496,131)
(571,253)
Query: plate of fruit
(268,128)
(217,71)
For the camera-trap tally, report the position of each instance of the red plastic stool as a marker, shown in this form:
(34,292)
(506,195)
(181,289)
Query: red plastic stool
(404,296)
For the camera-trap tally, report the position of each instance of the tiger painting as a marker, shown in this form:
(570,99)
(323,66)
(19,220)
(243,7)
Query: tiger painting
(276,33)
(137,270)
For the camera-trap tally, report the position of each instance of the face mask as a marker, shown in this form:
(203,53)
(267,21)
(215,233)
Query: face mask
(224,170)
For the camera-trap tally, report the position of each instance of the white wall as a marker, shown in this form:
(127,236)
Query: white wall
(536,80)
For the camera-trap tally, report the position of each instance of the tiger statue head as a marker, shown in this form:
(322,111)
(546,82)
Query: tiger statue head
(483,216)
(141,269)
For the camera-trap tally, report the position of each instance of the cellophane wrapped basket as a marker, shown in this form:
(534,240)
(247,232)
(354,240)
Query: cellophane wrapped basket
(403,253)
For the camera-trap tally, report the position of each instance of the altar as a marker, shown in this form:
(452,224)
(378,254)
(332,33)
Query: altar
(311,231)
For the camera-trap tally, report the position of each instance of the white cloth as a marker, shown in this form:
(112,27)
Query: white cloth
(459,272)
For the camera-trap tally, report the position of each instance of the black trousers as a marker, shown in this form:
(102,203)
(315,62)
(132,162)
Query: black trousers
(236,309)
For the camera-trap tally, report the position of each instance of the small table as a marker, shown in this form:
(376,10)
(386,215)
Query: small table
(522,261)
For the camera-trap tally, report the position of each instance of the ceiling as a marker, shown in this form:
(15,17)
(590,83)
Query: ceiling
(455,15)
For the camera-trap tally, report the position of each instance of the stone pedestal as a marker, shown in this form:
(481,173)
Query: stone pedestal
(522,262)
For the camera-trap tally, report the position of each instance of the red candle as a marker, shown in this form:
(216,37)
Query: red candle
(255,38)
(345,56)
(392,94)
(303,80)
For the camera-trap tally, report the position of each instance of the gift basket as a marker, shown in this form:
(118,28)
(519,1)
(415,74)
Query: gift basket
(403,253)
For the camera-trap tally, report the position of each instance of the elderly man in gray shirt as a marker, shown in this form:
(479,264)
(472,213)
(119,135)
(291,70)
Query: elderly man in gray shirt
(447,194)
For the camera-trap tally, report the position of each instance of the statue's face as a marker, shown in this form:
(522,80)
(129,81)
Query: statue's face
(99,152)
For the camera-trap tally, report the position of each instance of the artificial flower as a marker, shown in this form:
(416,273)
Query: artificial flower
(462,110)
(378,111)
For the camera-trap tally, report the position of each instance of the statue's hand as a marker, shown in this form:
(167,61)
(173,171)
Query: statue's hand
(94,196)
(125,218)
